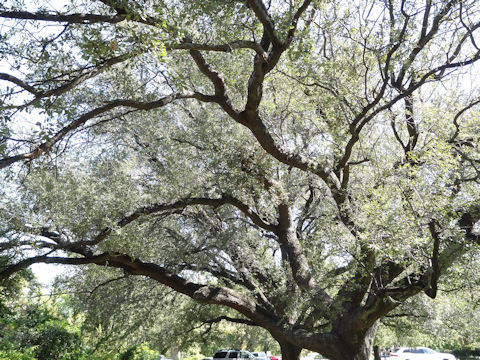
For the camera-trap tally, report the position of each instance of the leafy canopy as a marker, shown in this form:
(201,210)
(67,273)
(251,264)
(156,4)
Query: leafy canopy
(309,164)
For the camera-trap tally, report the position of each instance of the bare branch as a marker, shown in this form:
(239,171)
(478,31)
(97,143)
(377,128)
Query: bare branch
(21,83)
(457,117)
(294,24)
(424,39)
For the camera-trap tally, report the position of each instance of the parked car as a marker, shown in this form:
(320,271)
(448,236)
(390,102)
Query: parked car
(259,355)
(312,356)
(232,354)
(419,353)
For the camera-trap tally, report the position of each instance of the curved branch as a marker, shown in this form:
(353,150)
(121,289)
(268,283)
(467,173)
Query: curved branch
(264,17)
(207,294)
(457,116)
(299,161)
(262,66)
(68,85)
(50,142)
(229,47)
(178,205)
(294,24)
(62,18)
(19,82)
(230,319)
(216,78)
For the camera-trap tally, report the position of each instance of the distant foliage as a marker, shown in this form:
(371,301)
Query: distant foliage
(140,352)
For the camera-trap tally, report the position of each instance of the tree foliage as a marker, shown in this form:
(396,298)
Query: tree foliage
(124,312)
(32,331)
(310,164)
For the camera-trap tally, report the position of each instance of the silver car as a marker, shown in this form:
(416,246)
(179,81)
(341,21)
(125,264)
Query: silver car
(419,353)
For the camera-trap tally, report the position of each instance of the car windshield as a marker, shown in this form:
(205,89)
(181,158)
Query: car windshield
(220,354)
(429,351)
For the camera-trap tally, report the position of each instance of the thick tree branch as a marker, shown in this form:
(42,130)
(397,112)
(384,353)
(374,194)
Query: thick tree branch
(229,319)
(412,128)
(220,97)
(252,121)
(182,204)
(62,18)
(203,293)
(431,291)
(296,257)
(352,293)
(264,17)
(229,47)
(293,27)
(467,223)
(383,300)
(262,65)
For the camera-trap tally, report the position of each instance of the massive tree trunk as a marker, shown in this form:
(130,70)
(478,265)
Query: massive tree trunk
(289,351)
(356,347)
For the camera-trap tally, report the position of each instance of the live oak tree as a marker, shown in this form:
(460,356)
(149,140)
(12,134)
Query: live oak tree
(309,164)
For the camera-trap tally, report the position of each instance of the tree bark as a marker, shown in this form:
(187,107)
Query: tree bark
(289,351)
(349,349)
(376,353)
(174,353)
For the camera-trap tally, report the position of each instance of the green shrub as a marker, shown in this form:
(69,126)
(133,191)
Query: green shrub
(27,354)
(140,352)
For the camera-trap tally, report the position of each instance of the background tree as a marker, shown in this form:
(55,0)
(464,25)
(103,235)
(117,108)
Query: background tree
(36,328)
(309,164)
(122,312)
